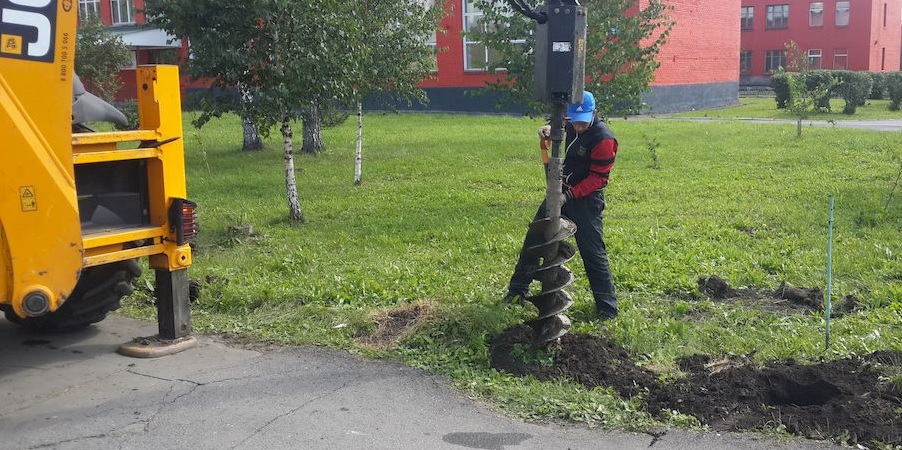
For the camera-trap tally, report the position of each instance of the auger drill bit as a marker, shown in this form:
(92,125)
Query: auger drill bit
(553,251)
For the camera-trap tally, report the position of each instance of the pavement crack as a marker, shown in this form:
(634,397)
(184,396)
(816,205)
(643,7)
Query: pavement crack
(294,410)
(67,441)
(655,437)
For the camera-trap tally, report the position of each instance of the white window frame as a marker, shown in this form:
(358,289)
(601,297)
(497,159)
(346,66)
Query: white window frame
(116,12)
(432,39)
(815,58)
(88,8)
(841,53)
(816,14)
(843,13)
(472,14)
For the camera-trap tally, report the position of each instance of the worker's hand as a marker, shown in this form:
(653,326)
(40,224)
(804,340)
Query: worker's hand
(564,196)
(545,132)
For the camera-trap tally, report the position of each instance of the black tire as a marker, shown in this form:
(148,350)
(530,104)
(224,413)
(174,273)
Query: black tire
(98,292)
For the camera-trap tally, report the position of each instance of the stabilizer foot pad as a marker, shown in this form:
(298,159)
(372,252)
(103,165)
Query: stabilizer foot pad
(154,347)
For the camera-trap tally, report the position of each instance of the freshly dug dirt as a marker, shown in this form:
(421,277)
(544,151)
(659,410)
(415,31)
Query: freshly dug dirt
(784,300)
(832,399)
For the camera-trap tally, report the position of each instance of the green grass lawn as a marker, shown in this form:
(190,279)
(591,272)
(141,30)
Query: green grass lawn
(442,210)
(766,108)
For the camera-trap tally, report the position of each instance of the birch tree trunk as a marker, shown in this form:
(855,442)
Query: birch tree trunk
(358,160)
(252,141)
(313,130)
(294,205)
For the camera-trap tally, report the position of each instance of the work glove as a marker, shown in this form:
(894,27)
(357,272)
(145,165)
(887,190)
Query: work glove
(545,132)
(565,196)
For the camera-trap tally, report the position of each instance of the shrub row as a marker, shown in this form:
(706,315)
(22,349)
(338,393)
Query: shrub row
(855,88)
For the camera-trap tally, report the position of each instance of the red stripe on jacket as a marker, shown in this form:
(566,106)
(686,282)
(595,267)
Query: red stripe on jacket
(603,155)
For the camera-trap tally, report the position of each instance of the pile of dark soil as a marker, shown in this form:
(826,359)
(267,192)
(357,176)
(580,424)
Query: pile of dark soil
(832,399)
(785,299)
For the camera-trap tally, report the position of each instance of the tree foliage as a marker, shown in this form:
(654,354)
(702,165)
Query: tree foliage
(623,41)
(99,54)
(298,58)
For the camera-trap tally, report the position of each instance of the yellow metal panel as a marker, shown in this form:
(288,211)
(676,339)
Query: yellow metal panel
(38,208)
(113,136)
(115,155)
(122,236)
(159,108)
(96,257)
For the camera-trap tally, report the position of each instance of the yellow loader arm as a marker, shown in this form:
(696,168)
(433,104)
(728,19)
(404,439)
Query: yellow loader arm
(40,236)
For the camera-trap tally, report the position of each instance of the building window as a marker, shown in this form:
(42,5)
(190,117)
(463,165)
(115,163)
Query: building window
(777,16)
(774,59)
(816,14)
(814,58)
(88,9)
(842,14)
(431,37)
(840,59)
(745,62)
(884,15)
(748,17)
(123,11)
(478,57)
(883,58)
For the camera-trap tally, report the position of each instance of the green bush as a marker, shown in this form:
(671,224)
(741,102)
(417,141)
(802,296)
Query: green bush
(878,88)
(821,78)
(854,88)
(779,81)
(894,89)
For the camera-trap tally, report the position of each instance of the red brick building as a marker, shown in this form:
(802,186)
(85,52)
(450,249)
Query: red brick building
(149,46)
(699,64)
(862,35)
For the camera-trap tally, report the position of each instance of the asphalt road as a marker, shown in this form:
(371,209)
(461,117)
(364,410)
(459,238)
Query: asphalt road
(74,392)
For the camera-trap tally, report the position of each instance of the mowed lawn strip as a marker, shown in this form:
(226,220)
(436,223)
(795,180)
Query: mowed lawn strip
(766,108)
(441,213)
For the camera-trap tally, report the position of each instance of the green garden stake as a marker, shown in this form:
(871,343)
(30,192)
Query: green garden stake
(829,274)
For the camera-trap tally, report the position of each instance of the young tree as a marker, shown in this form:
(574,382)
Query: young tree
(393,55)
(623,41)
(807,92)
(99,54)
(284,56)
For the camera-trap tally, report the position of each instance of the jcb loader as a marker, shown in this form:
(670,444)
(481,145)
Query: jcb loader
(79,208)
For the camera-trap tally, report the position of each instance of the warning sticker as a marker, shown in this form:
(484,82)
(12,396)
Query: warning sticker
(28,198)
(11,44)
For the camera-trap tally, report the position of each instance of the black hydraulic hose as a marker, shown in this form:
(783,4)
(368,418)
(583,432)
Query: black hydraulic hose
(523,8)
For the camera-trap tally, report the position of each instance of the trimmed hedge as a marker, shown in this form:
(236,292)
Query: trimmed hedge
(878,87)
(894,89)
(780,83)
(816,78)
(854,88)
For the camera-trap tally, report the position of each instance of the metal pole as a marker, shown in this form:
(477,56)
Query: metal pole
(554,175)
(829,305)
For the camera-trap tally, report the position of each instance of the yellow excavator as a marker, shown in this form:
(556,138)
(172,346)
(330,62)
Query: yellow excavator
(79,208)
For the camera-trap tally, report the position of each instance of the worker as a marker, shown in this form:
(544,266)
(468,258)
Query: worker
(590,151)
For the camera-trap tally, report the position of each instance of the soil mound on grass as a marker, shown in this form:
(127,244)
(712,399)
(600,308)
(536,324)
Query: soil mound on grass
(785,299)
(832,399)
